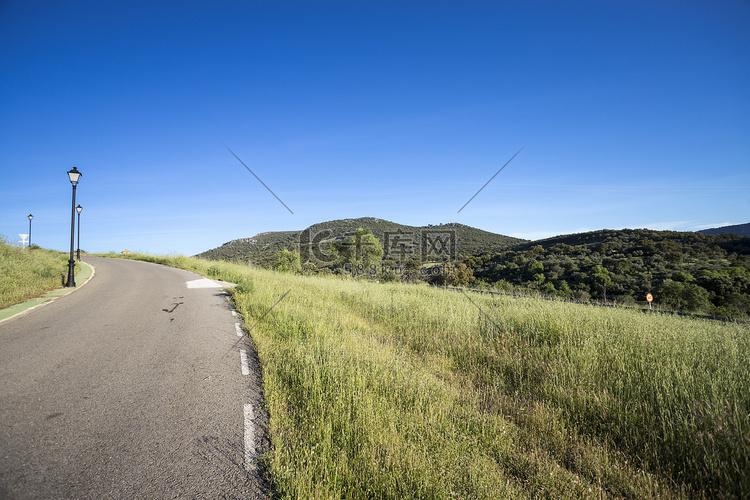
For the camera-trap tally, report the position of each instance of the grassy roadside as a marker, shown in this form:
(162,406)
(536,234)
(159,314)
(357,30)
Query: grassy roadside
(28,273)
(379,390)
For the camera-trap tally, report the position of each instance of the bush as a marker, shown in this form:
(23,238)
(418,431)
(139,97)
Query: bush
(683,296)
(26,273)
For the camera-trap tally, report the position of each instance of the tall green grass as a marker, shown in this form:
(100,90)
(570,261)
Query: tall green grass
(386,390)
(28,272)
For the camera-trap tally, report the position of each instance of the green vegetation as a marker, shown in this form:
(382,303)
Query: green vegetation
(691,272)
(359,252)
(407,391)
(287,261)
(29,272)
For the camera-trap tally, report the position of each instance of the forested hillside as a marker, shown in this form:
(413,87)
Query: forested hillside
(684,271)
(262,248)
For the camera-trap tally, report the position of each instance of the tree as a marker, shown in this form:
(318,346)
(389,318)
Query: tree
(681,277)
(412,269)
(461,275)
(287,261)
(563,289)
(535,271)
(361,250)
(601,279)
(683,296)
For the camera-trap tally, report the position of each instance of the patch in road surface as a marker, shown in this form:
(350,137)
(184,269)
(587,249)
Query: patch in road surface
(204,283)
(249,437)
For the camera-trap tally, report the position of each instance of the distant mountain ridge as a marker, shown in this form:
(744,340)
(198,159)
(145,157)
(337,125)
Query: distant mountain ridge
(261,248)
(738,229)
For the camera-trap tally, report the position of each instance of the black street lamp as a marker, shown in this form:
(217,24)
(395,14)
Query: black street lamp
(78,246)
(74,175)
(30,217)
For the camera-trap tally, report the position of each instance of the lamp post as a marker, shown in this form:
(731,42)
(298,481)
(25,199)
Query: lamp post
(30,217)
(74,175)
(78,246)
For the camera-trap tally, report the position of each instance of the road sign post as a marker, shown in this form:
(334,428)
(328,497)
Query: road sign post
(649,298)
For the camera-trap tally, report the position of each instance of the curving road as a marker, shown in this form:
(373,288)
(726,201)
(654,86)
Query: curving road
(130,387)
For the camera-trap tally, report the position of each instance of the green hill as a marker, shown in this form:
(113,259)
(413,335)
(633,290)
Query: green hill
(261,248)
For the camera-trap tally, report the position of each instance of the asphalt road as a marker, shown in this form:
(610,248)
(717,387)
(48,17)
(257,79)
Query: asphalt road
(130,387)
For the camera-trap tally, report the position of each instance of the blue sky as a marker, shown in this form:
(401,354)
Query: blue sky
(630,114)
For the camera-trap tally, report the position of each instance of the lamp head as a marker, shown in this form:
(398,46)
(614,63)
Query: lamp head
(74,175)
(79,208)
(31,216)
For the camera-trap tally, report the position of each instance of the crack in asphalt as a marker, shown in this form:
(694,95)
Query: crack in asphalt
(172,310)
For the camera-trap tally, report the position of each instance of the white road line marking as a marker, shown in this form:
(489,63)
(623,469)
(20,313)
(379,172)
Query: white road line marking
(234,313)
(249,438)
(238,329)
(243,361)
